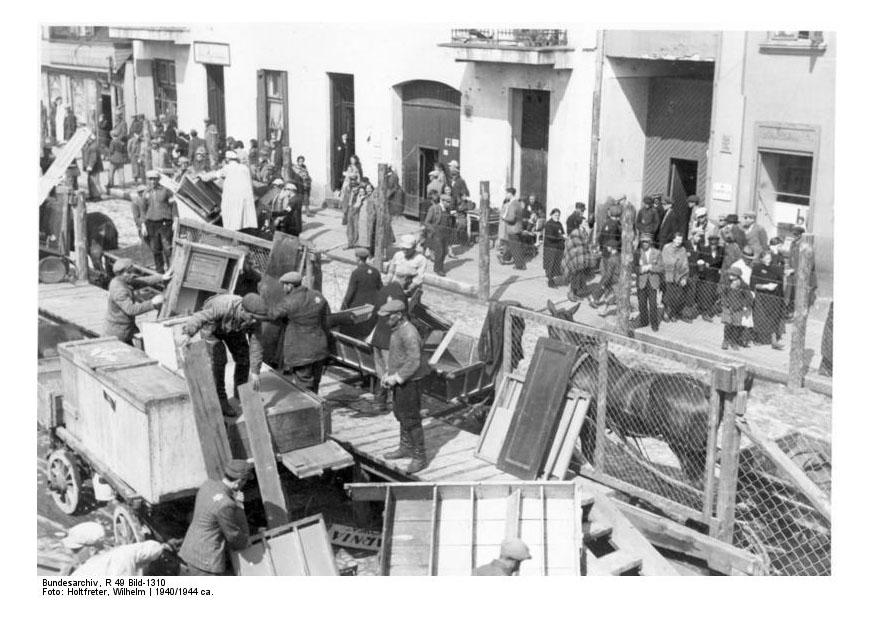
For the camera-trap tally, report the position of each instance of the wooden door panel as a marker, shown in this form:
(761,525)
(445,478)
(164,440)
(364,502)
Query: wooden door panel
(538,408)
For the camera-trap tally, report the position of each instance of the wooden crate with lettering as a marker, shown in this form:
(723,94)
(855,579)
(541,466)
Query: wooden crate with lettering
(199,272)
(133,415)
(299,549)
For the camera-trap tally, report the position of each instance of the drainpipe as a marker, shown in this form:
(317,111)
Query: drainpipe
(596,123)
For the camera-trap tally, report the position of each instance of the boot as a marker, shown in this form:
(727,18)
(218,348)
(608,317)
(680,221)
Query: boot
(403,450)
(417,441)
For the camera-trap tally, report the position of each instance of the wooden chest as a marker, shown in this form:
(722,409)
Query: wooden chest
(296,418)
(133,415)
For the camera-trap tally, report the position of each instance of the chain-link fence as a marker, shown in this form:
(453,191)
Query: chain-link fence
(652,428)
(782,512)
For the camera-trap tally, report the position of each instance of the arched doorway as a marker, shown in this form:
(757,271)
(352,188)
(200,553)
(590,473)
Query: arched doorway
(430,133)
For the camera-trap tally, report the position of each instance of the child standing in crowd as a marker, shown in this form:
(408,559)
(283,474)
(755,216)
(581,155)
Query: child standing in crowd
(737,306)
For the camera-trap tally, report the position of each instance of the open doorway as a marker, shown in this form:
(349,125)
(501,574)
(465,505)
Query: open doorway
(531,129)
(683,177)
(427,159)
(106,108)
(216,96)
(342,124)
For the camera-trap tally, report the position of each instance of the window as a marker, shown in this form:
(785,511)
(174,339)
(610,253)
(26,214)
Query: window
(784,189)
(164,83)
(71,32)
(273,106)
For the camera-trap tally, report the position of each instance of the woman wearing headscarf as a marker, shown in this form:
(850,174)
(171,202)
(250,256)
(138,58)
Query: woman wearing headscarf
(554,247)
(575,261)
(767,283)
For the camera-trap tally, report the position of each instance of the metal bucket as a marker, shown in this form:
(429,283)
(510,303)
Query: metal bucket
(52,269)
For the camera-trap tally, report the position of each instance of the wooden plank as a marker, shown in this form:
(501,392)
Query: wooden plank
(667,534)
(433,531)
(538,408)
(512,520)
(444,343)
(181,254)
(495,428)
(70,151)
(207,411)
(80,237)
(728,483)
(313,460)
(579,405)
(613,564)
(262,448)
(786,465)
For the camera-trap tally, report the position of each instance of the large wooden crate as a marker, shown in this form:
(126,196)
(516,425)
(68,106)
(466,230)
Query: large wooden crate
(133,415)
(49,392)
(296,418)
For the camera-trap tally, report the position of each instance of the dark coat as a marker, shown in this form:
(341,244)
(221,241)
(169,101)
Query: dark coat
(217,524)
(737,302)
(710,271)
(91,157)
(647,221)
(672,222)
(610,230)
(117,152)
(306,334)
(70,125)
(291,223)
(363,288)
(574,220)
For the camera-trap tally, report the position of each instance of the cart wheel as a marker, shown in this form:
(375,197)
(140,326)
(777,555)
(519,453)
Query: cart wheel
(64,481)
(126,527)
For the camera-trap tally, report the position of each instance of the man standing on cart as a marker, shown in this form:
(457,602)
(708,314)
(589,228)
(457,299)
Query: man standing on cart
(122,310)
(218,523)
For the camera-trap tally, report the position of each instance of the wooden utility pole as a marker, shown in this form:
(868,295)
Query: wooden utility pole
(734,406)
(383,223)
(147,143)
(286,170)
(483,242)
(80,238)
(63,195)
(624,282)
(800,315)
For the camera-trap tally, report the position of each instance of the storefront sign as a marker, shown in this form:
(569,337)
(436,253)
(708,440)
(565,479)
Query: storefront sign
(787,137)
(721,191)
(213,53)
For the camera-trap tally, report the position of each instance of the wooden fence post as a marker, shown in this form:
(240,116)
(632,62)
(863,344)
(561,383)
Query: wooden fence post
(286,170)
(624,282)
(734,406)
(483,242)
(80,238)
(601,407)
(147,143)
(800,315)
(507,353)
(63,195)
(381,241)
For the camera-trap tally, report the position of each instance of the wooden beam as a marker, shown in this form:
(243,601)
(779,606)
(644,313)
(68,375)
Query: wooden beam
(232,235)
(483,244)
(664,533)
(729,451)
(800,315)
(512,518)
(624,283)
(261,444)
(80,237)
(64,234)
(812,492)
(601,407)
(382,224)
(715,405)
(205,405)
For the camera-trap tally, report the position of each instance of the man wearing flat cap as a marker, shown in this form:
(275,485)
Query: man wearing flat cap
(701,227)
(438,229)
(305,343)
(232,321)
(612,230)
(513,552)
(755,235)
(291,206)
(218,524)
(648,266)
(404,369)
(363,288)
(160,220)
(708,265)
(122,310)
(407,266)
(647,219)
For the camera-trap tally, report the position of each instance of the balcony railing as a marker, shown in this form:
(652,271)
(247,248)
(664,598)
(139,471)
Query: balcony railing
(517,38)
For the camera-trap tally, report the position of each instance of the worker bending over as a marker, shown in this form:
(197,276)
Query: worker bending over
(232,321)
(513,552)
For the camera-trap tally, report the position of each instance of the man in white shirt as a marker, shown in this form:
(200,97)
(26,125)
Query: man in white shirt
(407,266)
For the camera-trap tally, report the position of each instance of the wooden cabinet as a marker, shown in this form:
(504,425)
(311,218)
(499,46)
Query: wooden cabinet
(133,415)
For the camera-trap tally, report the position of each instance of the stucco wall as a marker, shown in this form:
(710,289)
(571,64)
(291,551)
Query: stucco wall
(794,88)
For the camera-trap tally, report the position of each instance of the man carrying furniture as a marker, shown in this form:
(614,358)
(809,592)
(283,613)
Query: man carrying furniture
(122,310)
(305,344)
(232,321)
(403,372)
(218,523)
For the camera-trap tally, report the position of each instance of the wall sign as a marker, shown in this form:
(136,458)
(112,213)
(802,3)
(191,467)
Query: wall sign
(787,137)
(721,191)
(212,53)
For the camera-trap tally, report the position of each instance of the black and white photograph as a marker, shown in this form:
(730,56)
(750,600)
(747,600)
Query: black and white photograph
(518,296)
